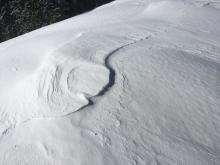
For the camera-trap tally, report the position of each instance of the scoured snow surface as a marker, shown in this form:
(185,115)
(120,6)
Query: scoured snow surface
(135,82)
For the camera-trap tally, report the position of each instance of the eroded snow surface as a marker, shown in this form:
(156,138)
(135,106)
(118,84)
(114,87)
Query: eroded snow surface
(134,82)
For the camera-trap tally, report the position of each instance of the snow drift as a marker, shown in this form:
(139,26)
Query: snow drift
(132,82)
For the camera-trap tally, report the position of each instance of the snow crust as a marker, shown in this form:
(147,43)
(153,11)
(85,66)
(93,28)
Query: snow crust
(134,82)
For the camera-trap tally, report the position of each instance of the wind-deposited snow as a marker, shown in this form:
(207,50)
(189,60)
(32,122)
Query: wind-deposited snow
(133,82)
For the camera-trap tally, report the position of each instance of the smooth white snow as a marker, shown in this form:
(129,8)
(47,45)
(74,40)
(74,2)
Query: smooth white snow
(133,82)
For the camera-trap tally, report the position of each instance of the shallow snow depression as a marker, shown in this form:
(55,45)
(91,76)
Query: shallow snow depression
(132,82)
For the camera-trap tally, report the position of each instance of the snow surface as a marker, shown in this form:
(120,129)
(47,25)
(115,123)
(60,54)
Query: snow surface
(134,82)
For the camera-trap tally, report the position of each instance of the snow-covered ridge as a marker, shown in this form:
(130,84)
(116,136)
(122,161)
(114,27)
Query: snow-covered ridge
(132,82)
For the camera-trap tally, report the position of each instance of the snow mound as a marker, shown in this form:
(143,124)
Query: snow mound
(60,84)
(132,83)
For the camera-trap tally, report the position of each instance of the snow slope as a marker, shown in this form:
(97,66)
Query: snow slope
(134,82)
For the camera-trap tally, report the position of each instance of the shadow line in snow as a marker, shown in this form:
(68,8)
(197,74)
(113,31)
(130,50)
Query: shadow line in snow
(112,74)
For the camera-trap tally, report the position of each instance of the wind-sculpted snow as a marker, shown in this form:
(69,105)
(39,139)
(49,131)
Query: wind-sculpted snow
(133,82)
(64,82)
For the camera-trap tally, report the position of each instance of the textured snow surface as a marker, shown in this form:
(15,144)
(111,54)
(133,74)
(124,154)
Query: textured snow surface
(134,82)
